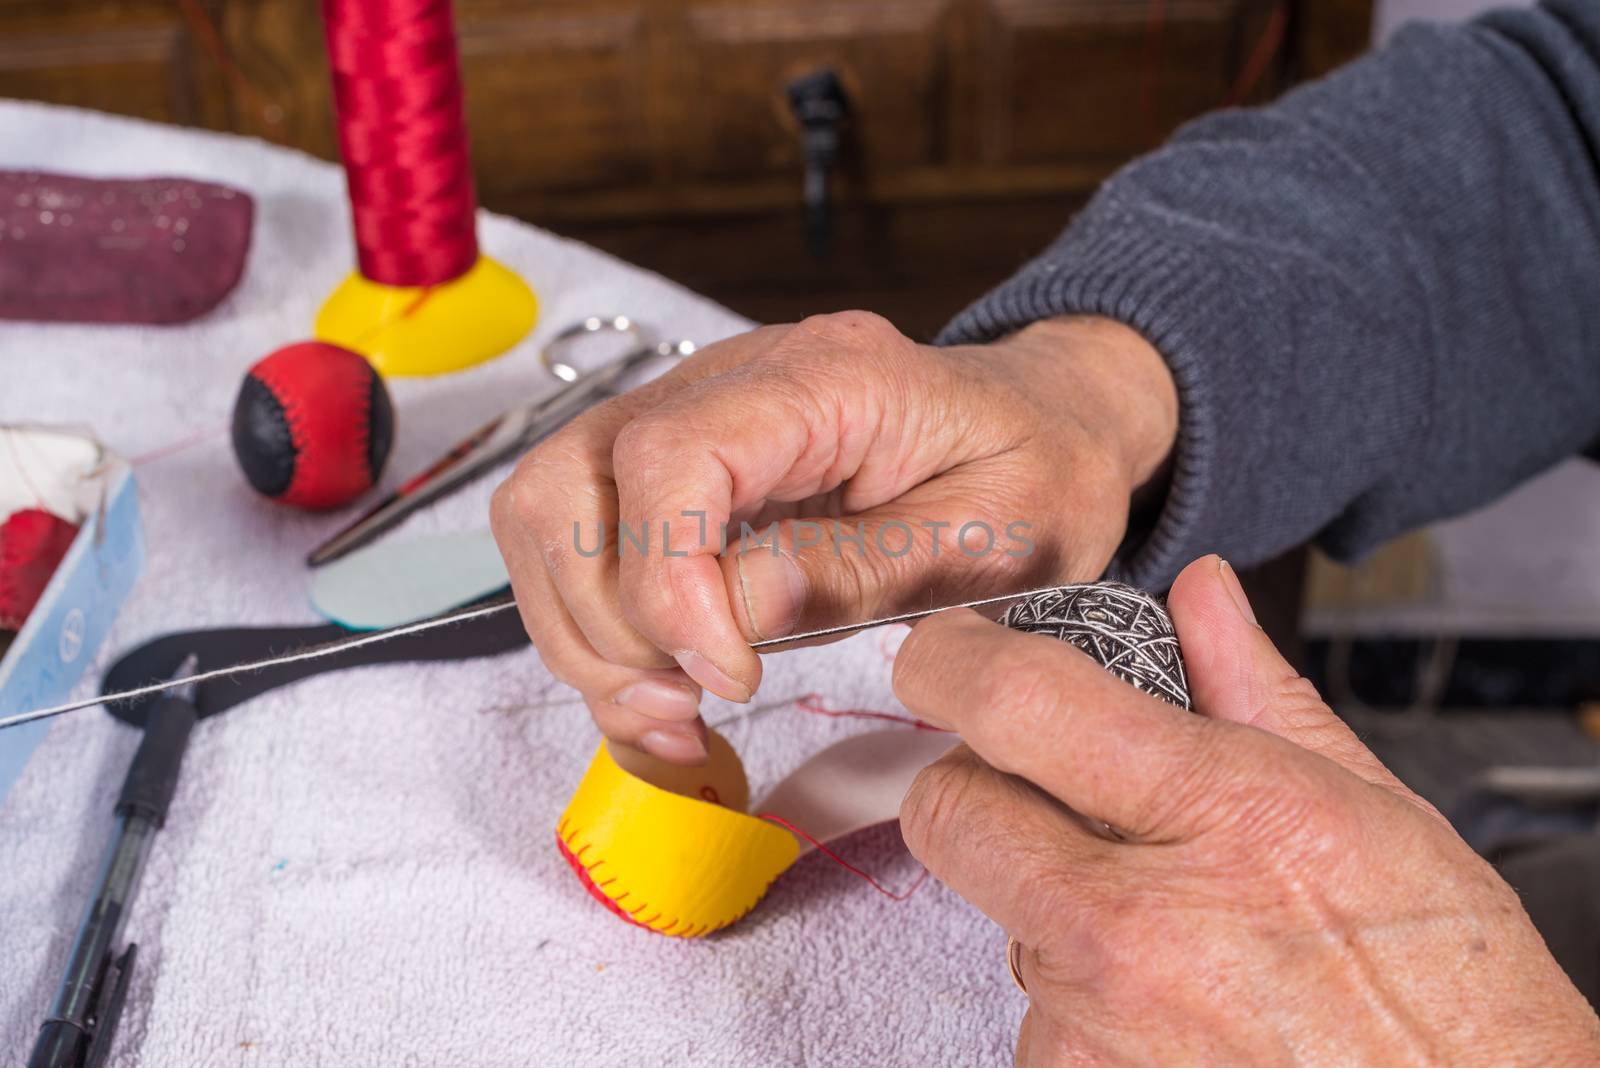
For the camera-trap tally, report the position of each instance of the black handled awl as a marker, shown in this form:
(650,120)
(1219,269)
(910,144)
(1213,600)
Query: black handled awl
(83,1021)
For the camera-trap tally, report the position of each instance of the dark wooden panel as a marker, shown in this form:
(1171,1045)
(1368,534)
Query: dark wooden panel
(917,264)
(556,97)
(280,89)
(556,92)
(1330,32)
(658,129)
(687,203)
(891,56)
(131,59)
(1100,79)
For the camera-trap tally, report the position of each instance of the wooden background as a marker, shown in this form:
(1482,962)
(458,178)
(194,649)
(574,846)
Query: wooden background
(659,129)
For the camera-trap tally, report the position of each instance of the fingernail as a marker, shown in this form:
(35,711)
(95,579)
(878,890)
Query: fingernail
(675,747)
(659,700)
(774,591)
(1236,591)
(711,677)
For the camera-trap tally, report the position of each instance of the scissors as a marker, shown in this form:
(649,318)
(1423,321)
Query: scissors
(512,431)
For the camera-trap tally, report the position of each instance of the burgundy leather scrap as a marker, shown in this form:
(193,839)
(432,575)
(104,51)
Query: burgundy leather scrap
(97,250)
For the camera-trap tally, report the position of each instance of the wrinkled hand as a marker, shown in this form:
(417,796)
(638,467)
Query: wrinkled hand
(840,415)
(1280,898)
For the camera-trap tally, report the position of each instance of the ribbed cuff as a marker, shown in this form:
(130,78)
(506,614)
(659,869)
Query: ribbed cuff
(1171,297)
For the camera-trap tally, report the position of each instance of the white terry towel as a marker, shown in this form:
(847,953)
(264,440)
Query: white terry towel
(361,870)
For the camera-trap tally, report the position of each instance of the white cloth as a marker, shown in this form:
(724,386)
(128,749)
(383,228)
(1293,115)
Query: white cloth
(361,869)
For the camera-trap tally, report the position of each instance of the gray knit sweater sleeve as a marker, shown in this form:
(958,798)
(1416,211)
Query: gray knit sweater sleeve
(1379,296)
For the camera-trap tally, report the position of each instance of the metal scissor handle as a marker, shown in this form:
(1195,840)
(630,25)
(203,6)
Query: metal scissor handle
(596,324)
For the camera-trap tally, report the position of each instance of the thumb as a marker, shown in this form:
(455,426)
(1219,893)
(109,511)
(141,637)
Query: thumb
(1236,673)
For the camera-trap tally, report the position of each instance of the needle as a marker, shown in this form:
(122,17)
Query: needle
(460,615)
(903,617)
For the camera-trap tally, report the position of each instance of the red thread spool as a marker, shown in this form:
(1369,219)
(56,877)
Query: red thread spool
(32,543)
(403,137)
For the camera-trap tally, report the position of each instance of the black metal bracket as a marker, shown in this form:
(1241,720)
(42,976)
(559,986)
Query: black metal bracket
(822,107)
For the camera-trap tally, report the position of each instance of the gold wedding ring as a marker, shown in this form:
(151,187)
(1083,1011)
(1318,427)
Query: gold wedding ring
(1014,962)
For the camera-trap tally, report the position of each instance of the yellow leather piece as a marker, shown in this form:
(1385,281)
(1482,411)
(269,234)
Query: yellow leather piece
(680,865)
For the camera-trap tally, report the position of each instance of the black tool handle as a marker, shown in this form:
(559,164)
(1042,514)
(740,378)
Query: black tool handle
(153,775)
(60,1045)
(109,1014)
(63,1044)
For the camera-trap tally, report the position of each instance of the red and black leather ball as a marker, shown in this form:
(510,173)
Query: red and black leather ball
(312,425)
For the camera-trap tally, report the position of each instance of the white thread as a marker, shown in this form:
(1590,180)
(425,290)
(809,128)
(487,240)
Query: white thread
(1124,629)
(315,652)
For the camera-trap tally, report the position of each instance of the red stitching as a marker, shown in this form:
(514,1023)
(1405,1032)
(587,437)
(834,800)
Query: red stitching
(288,380)
(813,703)
(614,906)
(588,884)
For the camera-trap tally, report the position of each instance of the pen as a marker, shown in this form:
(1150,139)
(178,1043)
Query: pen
(83,1021)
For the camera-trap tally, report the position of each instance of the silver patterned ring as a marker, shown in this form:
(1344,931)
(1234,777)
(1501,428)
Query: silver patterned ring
(1014,962)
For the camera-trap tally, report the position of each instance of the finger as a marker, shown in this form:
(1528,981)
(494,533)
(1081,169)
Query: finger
(1237,674)
(657,711)
(1039,708)
(758,432)
(713,359)
(940,543)
(557,511)
(551,518)
(1032,1046)
(677,742)
(999,843)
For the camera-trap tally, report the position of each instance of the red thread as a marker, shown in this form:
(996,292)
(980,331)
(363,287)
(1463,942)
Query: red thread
(1249,75)
(361,340)
(200,23)
(1260,56)
(161,452)
(33,543)
(588,882)
(403,138)
(845,864)
(813,703)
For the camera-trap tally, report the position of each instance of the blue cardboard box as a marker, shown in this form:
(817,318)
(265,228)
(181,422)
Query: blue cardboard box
(58,642)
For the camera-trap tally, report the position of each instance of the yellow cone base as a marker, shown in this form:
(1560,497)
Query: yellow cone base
(409,330)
